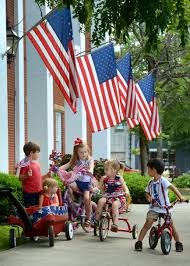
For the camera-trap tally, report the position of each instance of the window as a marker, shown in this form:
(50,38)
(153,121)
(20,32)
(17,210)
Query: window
(58,126)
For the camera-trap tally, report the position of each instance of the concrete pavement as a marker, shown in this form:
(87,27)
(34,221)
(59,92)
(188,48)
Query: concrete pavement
(118,249)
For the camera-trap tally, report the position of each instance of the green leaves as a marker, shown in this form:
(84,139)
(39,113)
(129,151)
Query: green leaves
(117,16)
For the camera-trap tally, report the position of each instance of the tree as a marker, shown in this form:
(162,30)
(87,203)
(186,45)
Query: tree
(117,16)
(171,65)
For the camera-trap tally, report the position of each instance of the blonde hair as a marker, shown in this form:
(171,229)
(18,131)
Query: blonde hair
(49,182)
(75,156)
(114,164)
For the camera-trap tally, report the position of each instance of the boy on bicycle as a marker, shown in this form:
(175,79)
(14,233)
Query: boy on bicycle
(157,192)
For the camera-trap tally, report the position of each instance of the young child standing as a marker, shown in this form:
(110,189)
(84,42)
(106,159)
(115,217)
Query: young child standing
(49,196)
(112,183)
(157,191)
(30,175)
(82,161)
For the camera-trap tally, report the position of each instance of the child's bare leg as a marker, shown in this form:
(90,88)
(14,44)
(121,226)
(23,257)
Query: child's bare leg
(115,212)
(72,187)
(87,203)
(174,232)
(100,207)
(145,228)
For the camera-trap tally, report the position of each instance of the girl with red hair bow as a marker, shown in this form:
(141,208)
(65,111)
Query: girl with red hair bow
(83,165)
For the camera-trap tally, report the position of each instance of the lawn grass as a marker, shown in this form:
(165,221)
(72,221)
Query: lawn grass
(4,236)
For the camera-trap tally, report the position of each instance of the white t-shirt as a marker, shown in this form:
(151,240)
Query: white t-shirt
(154,188)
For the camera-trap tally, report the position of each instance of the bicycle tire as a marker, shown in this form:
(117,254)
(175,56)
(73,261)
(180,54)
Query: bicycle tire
(104,228)
(153,237)
(165,242)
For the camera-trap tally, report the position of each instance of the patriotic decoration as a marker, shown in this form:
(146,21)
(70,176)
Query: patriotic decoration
(147,107)
(23,163)
(127,91)
(43,212)
(52,39)
(97,77)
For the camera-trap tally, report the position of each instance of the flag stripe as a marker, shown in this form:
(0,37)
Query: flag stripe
(54,58)
(42,53)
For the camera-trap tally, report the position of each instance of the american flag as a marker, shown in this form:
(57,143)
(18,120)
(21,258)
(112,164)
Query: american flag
(147,107)
(53,40)
(97,77)
(127,91)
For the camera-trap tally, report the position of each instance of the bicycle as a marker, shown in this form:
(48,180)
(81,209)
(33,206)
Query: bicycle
(163,231)
(76,211)
(106,217)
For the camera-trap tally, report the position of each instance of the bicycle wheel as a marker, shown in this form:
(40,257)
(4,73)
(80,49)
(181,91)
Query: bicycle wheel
(135,231)
(153,237)
(165,242)
(51,235)
(104,227)
(69,230)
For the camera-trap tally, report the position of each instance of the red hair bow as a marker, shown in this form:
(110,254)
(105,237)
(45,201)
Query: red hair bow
(77,141)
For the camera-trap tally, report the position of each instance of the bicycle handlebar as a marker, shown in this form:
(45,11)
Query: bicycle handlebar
(155,203)
(113,195)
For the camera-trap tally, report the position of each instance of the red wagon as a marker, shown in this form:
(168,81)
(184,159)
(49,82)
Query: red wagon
(47,221)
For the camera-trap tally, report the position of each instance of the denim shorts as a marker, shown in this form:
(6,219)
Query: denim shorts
(31,199)
(83,186)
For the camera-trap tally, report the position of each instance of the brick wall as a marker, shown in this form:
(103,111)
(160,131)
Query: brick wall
(11,97)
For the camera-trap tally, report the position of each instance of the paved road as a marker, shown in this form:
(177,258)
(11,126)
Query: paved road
(118,249)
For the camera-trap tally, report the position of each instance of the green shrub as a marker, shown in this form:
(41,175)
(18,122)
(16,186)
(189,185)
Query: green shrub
(13,182)
(137,184)
(182,181)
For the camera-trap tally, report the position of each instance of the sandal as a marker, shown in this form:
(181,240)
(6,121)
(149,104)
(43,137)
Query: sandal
(114,227)
(87,223)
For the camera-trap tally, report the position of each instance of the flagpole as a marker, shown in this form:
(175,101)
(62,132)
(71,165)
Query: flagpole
(43,18)
(89,50)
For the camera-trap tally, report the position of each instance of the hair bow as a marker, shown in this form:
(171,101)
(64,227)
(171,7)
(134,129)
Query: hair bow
(77,141)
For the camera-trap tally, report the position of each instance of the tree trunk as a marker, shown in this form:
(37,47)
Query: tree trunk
(159,149)
(144,155)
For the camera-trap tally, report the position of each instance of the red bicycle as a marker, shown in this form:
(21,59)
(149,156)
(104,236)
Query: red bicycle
(163,231)
(106,217)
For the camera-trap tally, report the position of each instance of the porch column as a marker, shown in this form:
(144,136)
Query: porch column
(101,144)
(3,88)
(39,93)
(19,86)
(75,124)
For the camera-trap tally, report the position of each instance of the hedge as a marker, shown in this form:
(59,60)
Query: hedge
(11,181)
(182,181)
(137,184)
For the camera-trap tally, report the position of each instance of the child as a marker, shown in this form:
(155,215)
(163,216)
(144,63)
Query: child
(49,196)
(157,191)
(83,165)
(112,183)
(30,175)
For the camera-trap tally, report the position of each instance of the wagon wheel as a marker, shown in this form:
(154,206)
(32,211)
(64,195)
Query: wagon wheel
(34,238)
(12,238)
(69,230)
(51,235)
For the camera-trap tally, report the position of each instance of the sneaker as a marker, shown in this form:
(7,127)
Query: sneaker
(138,246)
(179,247)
